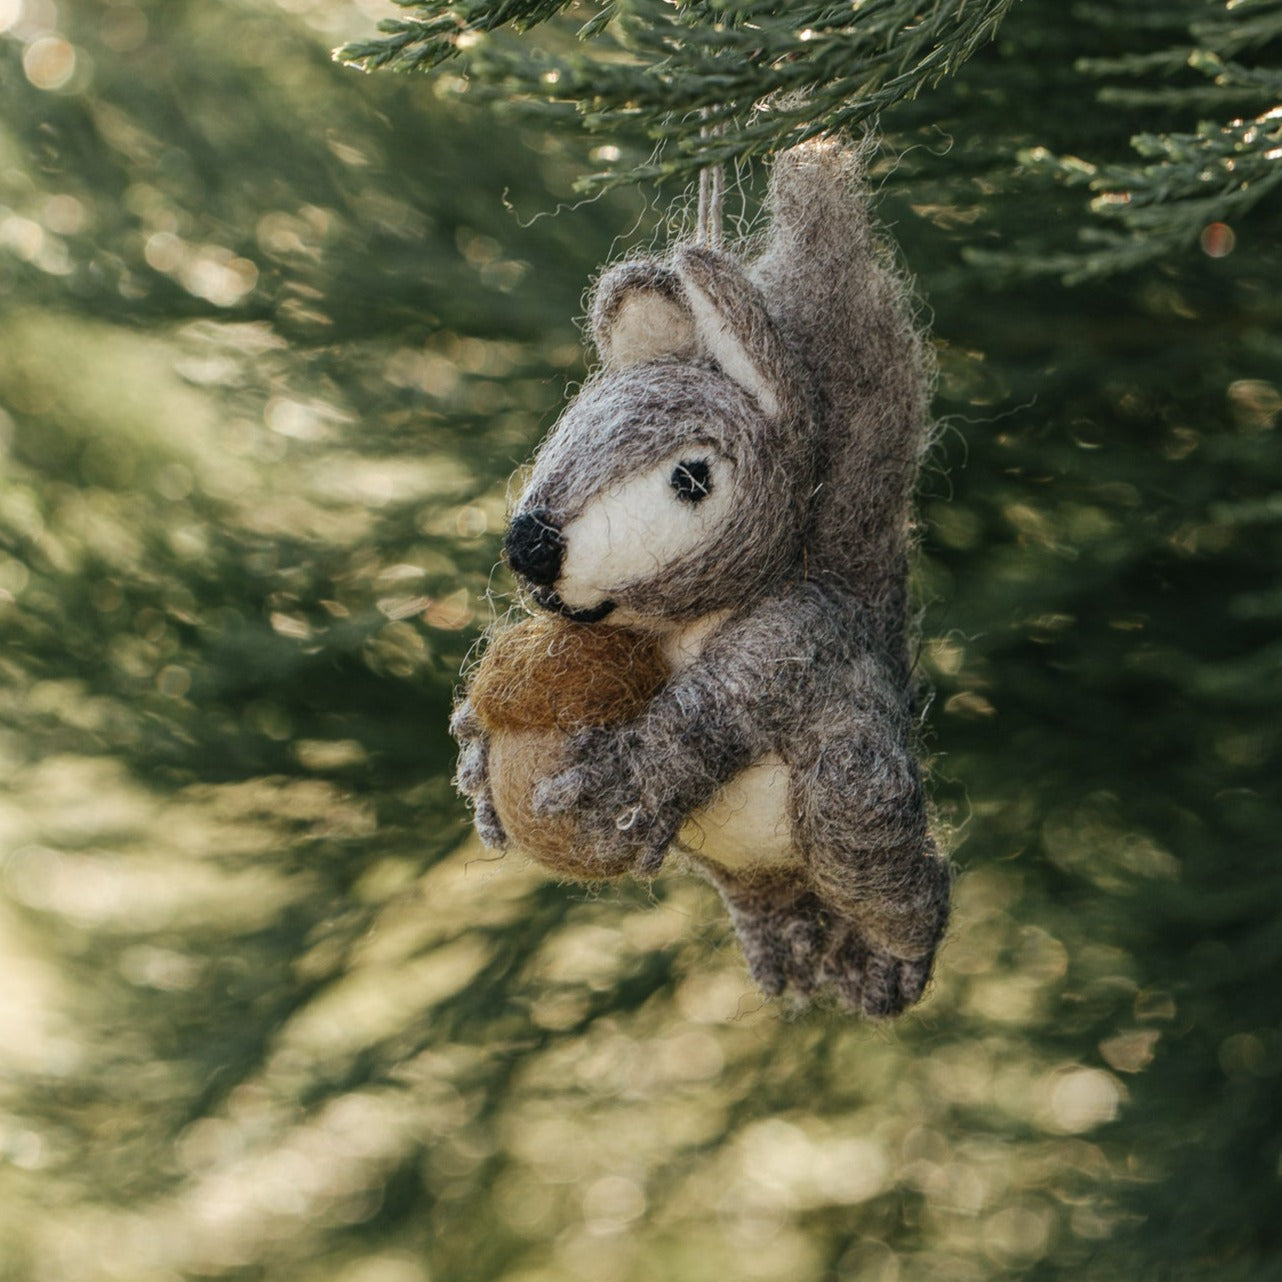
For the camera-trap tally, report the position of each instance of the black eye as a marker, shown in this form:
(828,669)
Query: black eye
(692,480)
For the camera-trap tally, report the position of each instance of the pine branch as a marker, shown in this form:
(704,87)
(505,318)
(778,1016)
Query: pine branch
(1185,180)
(769,78)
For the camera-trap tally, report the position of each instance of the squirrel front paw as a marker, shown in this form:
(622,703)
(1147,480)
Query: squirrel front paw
(472,775)
(616,808)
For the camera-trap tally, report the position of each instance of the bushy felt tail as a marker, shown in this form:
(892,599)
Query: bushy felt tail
(835,292)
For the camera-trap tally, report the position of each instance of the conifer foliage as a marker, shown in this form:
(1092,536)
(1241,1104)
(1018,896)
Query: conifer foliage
(761,75)
(764,77)
(1182,182)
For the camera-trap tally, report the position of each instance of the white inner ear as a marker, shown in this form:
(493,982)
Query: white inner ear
(728,351)
(638,528)
(648,325)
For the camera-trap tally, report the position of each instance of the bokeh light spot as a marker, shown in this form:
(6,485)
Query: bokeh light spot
(50,62)
(1080,1099)
(1218,240)
(1016,1235)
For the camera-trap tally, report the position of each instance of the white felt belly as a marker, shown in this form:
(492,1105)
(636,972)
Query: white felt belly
(748,824)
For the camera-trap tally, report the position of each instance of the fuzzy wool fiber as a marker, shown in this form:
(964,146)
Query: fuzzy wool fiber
(547,673)
(793,383)
(537,682)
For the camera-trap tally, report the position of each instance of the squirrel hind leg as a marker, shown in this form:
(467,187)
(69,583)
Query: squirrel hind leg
(866,839)
(805,949)
(898,898)
(781,927)
(796,943)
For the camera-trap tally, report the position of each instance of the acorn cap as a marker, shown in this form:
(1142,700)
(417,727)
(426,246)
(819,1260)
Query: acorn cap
(547,673)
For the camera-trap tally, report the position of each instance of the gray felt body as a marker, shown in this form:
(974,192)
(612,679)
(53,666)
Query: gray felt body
(801,376)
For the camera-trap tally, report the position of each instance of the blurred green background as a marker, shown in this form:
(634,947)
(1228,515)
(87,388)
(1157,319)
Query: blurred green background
(273,335)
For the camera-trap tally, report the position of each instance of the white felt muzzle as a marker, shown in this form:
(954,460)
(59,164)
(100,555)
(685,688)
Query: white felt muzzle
(637,528)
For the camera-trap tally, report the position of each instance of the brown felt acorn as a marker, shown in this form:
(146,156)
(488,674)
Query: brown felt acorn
(539,682)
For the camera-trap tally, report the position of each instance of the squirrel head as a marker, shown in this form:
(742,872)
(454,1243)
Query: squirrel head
(677,482)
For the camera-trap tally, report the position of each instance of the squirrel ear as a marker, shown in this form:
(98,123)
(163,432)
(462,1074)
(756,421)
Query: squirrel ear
(639,313)
(644,310)
(735,329)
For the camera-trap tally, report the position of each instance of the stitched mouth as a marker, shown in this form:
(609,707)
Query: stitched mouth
(547,600)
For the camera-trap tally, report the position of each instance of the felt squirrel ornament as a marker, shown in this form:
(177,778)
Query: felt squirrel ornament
(715,535)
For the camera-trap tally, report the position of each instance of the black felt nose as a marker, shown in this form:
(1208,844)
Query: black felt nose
(534,547)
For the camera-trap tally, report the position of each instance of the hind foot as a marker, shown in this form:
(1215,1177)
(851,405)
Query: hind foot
(783,943)
(869,980)
(794,941)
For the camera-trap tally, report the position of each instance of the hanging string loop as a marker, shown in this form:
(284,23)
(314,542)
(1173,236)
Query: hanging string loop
(712,184)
